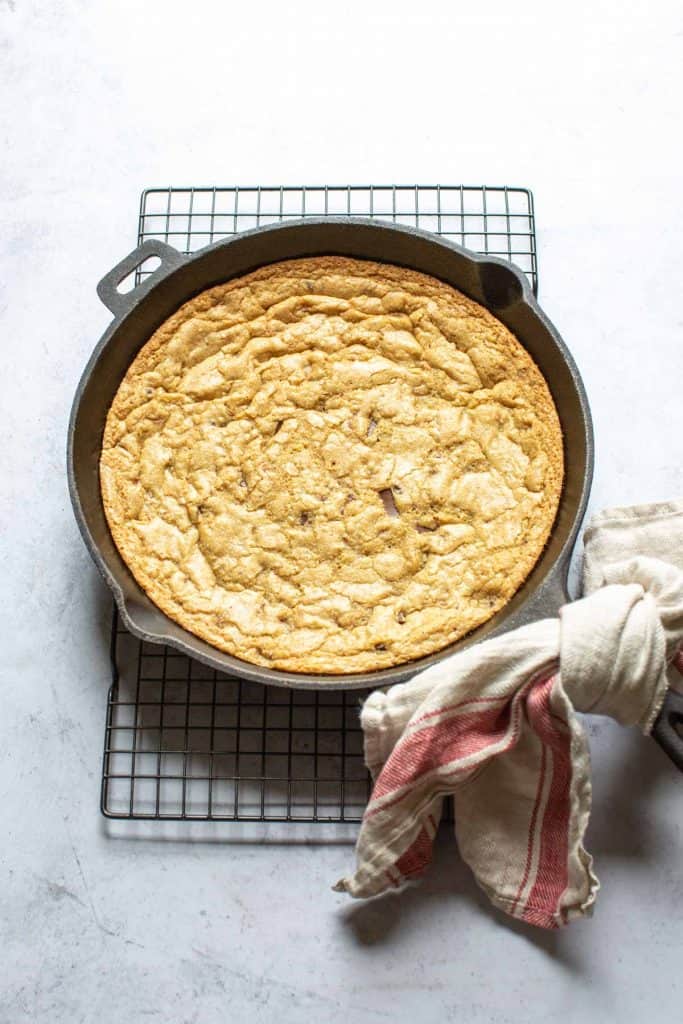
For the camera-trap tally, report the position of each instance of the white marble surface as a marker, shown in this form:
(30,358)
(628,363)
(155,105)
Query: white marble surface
(101,99)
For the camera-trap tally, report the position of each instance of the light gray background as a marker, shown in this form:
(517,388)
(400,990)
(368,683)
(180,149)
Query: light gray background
(582,102)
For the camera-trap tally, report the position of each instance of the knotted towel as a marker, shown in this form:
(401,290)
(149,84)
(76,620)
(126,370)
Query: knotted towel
(495,727)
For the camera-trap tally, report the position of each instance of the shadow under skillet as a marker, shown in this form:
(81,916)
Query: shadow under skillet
(187,743)
(628,772)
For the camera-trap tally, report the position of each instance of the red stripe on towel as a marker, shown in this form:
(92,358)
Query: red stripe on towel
(438,745)
(552,872)
(532,833)
(416,857)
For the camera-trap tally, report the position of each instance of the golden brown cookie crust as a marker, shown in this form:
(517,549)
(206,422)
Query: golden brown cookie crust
(331,465)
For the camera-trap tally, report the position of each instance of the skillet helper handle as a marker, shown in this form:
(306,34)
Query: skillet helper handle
(120,303)
(668,728)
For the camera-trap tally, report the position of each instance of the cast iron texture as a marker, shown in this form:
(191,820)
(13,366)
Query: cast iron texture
(137,314)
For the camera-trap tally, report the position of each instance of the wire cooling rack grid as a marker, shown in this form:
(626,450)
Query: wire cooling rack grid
(184,742)
(496,220)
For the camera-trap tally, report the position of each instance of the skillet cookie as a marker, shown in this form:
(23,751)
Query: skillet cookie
(331,465)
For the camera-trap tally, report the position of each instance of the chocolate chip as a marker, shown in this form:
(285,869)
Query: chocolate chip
(387,496)
(401,617)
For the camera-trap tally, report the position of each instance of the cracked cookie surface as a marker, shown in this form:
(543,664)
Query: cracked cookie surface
(331,465)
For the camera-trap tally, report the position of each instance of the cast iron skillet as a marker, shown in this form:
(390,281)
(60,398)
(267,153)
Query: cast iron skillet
(490,281)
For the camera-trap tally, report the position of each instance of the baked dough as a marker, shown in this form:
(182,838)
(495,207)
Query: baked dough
(331,465)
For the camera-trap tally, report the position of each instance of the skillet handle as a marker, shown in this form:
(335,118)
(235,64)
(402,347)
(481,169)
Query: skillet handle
(120,303)
(666,732)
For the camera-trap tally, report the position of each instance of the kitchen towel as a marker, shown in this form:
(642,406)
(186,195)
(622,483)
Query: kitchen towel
(495,727)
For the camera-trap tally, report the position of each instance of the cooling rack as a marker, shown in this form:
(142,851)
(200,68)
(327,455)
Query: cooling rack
(184,742)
